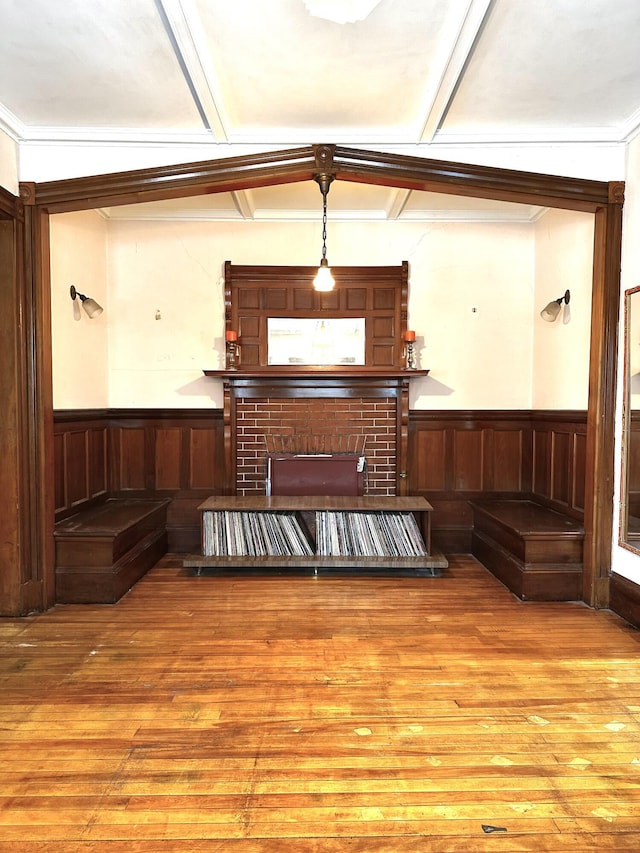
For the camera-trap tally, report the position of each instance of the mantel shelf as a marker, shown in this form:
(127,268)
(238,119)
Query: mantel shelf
(311,372)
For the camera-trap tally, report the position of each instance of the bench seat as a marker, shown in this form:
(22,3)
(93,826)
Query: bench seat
(535,551)
(102,551)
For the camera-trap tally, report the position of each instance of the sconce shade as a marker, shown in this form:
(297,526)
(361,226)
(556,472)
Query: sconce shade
(90,305)
(551,311)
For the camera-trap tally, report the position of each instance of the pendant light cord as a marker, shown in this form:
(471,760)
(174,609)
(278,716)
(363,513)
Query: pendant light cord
(324,226)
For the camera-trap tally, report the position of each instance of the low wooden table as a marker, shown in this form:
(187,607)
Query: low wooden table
(419,506)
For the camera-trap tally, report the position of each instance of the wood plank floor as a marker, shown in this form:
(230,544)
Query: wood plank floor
(301,713)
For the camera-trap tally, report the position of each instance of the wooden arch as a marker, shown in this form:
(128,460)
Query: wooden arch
(28,578)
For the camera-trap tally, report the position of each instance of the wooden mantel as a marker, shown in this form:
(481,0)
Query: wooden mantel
(315,373)
(365,401)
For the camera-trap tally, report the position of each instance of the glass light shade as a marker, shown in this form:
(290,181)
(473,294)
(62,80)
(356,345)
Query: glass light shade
(91,307)
(324,281)
(551,311)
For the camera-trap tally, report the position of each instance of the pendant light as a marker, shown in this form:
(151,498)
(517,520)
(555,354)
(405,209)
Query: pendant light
(324,281)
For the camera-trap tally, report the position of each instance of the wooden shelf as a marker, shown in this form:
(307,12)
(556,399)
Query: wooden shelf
(339,503)
(416,565)
(427,564)
(316,372)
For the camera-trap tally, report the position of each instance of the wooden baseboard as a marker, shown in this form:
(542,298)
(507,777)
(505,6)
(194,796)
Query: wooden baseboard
(624,599)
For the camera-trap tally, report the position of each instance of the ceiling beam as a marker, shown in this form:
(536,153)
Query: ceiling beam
(471,24)
(186,34)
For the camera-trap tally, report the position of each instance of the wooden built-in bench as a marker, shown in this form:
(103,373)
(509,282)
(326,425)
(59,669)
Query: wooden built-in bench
(104,549)
(535,551)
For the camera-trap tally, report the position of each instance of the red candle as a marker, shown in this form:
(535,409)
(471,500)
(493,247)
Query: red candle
(409,335)
(232,336)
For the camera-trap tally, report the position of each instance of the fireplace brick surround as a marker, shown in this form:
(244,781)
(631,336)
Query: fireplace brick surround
(322,424)
(365,412)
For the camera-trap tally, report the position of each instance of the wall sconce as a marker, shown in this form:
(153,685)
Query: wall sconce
(233,350)
(409,338)
(90,305)
(551,311)
(324,281)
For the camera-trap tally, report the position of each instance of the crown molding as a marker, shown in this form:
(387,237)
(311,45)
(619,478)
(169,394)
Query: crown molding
(11,125)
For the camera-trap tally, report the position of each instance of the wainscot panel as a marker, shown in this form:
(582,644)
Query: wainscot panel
(454,457)
(141,453)
(458,456)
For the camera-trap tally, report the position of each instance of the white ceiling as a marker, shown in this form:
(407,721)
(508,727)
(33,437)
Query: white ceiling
(284,73)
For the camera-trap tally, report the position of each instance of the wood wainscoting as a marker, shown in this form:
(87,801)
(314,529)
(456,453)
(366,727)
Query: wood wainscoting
(141,453)
(454,457)
(458,456)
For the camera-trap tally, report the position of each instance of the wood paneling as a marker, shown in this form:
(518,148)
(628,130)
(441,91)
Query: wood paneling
(454,457)
(377,294)
(141,453)
(559,467)
(467,460)
(168,447)
(428,461)
(81,458)
(203,458)
(128,454)
(506,471)
(458,456)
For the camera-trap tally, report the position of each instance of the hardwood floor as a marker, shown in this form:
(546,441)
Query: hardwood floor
(280,713)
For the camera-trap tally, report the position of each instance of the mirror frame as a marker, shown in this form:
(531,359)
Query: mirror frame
(627,417)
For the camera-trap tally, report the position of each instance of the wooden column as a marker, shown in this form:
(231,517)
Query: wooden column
(26,478)
(600,471)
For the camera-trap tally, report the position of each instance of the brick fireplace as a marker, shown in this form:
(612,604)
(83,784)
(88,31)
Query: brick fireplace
(326,413)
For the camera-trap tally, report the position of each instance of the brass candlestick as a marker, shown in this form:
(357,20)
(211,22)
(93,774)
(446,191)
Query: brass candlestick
(410,355)
(409,351)
(233,351)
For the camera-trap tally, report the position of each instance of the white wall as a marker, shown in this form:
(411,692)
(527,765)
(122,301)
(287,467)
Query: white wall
(80,347)
(625,562)
(176,268)
(472,302)
(52,161)
(563,260)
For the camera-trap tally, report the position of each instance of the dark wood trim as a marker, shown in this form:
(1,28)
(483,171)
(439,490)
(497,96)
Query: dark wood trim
(472,418)
(340,377)
(181,181)
(25,381)
(625,599)
(599,482)
(11,207)
(62,416)
(300,164)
